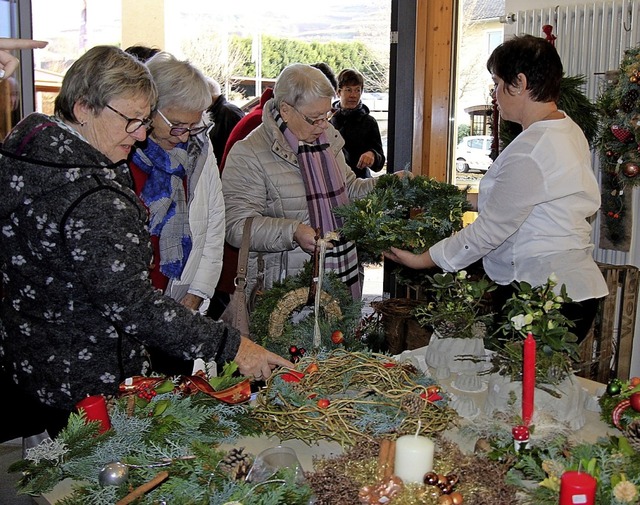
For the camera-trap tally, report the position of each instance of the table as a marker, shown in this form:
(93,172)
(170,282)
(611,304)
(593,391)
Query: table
(593,429)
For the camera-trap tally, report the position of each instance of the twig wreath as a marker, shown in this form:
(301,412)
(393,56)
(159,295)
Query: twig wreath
(344,396)
(410,213)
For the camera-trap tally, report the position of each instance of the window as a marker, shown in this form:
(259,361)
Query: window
(494,39)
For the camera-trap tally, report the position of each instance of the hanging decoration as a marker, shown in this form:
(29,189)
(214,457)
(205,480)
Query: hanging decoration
(618,143)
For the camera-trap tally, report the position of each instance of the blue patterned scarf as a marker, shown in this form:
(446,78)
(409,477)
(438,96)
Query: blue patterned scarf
(164,195)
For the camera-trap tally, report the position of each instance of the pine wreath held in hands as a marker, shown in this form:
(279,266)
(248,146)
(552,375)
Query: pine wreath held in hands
(618,143)
(408,213)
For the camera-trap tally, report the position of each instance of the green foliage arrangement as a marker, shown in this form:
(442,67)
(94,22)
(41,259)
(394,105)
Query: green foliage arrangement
(617,141)
(537,310)
(408,213)
(182,439)
(457,306)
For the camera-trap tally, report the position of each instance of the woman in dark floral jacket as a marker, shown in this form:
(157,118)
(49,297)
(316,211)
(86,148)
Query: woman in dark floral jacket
(77,309)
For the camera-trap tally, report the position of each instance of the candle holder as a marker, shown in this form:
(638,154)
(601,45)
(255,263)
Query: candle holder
(269,461)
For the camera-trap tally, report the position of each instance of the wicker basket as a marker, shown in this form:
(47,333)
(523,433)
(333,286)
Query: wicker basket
(396,315)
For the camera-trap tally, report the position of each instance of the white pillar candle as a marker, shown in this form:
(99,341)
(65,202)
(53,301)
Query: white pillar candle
(414,458)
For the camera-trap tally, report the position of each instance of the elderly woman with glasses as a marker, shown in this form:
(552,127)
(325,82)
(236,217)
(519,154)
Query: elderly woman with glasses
(176,177)
(77,311)
(289,174)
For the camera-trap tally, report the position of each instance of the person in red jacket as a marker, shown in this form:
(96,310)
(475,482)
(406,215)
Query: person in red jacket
(226,286)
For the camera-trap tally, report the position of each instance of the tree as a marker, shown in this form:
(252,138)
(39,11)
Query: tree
(218,59)
(277,53)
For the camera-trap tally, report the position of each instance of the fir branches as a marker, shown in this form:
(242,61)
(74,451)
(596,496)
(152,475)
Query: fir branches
(409,213)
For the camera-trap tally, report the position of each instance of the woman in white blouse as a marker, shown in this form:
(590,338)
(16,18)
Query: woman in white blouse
(535,201)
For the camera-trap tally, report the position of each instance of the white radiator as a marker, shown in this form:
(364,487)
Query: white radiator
(591,39)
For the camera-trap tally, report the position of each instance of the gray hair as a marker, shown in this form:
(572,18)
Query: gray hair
(180,84)
(214,87)
(100,75)
(300,84)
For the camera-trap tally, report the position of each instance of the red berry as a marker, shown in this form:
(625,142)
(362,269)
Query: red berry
(337,337)
(323,403)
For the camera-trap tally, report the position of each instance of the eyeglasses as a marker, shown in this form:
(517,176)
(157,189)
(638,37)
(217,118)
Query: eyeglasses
(178,131)
(133,123)
(317,121)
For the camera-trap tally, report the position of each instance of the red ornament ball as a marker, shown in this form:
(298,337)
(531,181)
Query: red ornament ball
(630,169)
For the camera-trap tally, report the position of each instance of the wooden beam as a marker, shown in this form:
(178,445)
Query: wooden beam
(433,87)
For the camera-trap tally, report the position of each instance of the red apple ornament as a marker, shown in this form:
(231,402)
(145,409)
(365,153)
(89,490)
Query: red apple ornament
(634,401)
(337,337)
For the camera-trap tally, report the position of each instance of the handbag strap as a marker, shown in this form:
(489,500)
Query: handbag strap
(243,255)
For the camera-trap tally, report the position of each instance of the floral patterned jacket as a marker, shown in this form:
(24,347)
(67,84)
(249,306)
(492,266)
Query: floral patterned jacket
(77,308)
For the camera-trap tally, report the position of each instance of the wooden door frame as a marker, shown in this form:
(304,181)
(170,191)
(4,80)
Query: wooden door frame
(433,87)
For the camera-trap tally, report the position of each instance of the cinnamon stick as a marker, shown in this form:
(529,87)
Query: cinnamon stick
(140,490)
(391,460)
(383,457)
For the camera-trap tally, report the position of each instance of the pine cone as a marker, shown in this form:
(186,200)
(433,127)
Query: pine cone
(235,464)
(632,432)
(412,404)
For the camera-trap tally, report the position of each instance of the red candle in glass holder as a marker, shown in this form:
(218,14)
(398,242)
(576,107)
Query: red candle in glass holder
(577,488)
(95,408)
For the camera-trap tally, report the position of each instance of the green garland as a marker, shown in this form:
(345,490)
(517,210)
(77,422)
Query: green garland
(410,213)
(300,334)
(618,142)
(183,430)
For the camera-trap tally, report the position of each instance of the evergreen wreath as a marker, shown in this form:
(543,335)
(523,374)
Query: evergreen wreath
(409,213)
(170,432)
(279,322)
(618,142)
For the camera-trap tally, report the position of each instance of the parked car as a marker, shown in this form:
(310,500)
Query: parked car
(473,153)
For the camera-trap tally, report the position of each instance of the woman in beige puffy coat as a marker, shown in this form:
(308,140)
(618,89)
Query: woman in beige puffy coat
(288,174)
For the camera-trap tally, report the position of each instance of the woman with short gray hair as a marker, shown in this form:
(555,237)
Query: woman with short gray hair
(289,174)
(77,312)
(177,179)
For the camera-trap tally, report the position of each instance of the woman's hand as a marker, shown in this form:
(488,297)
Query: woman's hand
(366,160)
(305,236)
(255,361)
(409,259)
(8,62)
(191,301)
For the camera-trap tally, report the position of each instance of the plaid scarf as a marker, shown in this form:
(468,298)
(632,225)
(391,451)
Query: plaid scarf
(164,195)
(326,188)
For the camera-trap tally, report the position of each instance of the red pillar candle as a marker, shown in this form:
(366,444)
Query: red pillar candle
(577,488)
(95,408)
(528,378)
